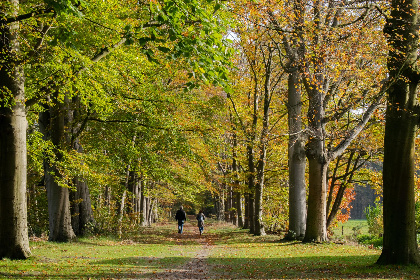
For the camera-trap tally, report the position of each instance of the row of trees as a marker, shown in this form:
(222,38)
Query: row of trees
(335,53)
(68,66)
(117,119)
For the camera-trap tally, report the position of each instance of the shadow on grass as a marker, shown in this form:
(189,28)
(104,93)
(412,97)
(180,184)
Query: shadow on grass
(317,267)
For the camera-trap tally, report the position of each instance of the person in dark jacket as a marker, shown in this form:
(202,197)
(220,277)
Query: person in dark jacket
(181,218)
(200,219)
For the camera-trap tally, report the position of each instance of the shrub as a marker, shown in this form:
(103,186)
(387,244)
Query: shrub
(368,239)
(374,218)
(418,216)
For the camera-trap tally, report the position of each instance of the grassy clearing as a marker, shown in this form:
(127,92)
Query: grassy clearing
(233,254)
(152,251)
(350,229)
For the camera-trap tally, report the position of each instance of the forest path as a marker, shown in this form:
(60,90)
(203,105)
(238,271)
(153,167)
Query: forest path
(197,267)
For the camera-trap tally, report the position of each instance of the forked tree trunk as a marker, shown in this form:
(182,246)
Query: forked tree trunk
(402,118)
(14,241)
(316,230)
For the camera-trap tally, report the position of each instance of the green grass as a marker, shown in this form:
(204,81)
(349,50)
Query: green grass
(233,254)
(348,229)
(152,251)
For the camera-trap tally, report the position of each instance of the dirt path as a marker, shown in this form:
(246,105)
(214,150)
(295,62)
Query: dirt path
(197,267)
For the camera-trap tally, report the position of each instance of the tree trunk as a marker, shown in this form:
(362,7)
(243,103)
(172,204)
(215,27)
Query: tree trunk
(246,211)
(259,186)
(237,193)
(297,162)
(251,188)
(400,244)
(142,204)
(316,230)
(238,199)
(121,212)
(14,241)
(150,215)
(121,208)
(81,206)
(52,125)
(82,213)
(251,211)
(147,211)
(221,202)
(227,206)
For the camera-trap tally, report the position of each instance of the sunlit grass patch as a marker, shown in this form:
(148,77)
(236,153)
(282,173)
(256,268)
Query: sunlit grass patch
(232,254)
(267,259)
(350,229)
(97,259)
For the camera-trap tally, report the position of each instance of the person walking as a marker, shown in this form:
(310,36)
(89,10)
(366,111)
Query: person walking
(181,217)
(200,219)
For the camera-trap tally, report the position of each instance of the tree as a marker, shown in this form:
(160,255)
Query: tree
(401,123)
(296,146)
(170,28)
(14,242)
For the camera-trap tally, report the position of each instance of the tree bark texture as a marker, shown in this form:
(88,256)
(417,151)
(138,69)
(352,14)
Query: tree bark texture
(297,161)
(400,244)
(316,230)
(14,241)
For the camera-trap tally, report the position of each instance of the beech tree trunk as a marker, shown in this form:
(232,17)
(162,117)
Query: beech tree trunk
(81,206)
(14,241)
(237,193)
(51,124)
(81,210)
(316,230)
(400,244)
(143,209)
(297,162)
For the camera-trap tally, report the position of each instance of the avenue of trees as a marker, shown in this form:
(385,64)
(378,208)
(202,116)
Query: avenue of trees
(264,114)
